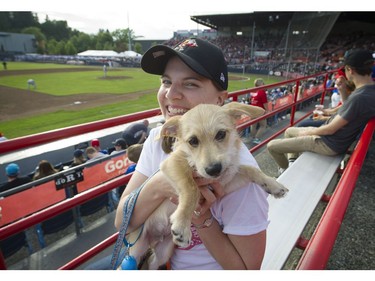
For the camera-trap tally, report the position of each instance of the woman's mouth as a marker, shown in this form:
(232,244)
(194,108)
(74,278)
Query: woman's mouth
(176,110)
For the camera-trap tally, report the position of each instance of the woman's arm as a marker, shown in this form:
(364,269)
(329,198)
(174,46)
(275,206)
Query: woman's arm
(230,251)
(155,191)
(234,251)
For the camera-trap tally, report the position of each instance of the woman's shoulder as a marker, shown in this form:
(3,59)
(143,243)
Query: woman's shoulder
(246,158)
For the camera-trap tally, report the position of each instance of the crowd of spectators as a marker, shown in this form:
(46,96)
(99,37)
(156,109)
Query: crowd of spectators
(131,141)
(273,57)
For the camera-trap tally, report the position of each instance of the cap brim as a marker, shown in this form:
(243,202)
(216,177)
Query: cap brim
(156,58)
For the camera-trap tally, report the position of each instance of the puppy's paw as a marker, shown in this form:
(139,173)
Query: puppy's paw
(181,232)
(274,188)
(280,192)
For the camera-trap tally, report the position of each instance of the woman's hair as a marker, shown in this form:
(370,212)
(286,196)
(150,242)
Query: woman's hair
(45,168)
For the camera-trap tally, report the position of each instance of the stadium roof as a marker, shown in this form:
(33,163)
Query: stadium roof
(239,20)
(267,18)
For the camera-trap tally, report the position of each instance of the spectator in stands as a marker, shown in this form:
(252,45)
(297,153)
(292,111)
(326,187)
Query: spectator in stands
(95,143)
(12,171)
(344,88)
(93,154)
(120,146)
(134,152)
(259,98)
(342,129)
(78,158)
(192,73)
(136,133)
(2,137)
(44,169)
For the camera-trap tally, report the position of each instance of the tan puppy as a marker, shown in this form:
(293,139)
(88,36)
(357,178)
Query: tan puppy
(206,141)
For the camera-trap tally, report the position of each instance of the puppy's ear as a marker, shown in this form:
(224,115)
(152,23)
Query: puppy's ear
(170,127)
(236,109)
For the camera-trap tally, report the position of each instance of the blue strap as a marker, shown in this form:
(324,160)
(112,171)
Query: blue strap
(127,213)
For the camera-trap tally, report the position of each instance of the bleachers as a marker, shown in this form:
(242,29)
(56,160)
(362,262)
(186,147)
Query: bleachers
(307,180)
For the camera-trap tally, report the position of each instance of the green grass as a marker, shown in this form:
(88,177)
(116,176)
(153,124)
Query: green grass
(64,118)
(89,82)
(71,83)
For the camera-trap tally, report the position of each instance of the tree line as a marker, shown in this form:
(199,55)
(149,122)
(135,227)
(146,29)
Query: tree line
(55,37)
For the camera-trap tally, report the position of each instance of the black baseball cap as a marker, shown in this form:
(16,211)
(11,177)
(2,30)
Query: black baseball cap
(358,58)
(120,142)
(201,56)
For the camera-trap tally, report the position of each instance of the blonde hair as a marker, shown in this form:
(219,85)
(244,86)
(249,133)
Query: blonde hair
(134,151)
(258,82)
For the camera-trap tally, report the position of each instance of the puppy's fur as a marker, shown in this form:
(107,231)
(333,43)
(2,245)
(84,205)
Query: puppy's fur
(206,141)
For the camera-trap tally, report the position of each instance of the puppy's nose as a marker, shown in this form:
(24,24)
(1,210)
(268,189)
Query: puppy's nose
(214,169)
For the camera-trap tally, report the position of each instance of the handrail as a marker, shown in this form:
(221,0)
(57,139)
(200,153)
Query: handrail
(63,206)
(58,134)
(320,246)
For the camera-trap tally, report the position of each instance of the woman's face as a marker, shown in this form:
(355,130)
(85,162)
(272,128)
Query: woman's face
(181,89)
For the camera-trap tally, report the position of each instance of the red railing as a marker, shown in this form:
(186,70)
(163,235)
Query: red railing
(319,248)
(38,139)
(60,207)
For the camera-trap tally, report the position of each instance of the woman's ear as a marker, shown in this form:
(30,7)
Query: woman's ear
(223,95)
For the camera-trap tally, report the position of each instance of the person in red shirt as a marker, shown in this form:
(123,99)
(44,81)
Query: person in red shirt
(259,98)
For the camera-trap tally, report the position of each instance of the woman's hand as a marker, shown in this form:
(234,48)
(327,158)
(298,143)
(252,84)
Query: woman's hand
(210,192)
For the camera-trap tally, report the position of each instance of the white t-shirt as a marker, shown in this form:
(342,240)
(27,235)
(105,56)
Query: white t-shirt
(243,212)
(335,99)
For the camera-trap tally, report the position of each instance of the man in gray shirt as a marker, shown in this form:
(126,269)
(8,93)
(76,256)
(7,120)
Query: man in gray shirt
(341,130)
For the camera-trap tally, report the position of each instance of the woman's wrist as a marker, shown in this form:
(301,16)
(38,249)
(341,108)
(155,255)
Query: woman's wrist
(199,219)
(205,223)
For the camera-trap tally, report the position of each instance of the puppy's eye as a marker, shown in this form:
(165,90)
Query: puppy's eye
(220,135)
(193,141)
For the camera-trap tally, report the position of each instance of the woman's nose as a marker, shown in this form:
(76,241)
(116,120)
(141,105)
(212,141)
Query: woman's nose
(174,92)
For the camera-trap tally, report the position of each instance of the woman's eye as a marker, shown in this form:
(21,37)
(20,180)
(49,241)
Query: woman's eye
(193,141)
(220,135)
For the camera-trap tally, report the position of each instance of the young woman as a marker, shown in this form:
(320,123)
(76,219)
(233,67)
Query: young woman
(192,73)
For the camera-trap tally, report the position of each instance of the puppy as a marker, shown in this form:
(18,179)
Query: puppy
(207,142)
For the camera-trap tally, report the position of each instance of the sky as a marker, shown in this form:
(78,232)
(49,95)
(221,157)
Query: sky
(151,19)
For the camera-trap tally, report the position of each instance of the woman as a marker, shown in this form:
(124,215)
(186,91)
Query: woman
(192,73)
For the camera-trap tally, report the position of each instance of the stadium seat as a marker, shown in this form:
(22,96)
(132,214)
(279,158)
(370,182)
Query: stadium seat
(14,243)
(53,225)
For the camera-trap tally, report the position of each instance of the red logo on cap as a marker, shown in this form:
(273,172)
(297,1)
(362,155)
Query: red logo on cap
(187,43)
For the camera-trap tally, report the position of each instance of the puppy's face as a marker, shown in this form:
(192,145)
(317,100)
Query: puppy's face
(208,136)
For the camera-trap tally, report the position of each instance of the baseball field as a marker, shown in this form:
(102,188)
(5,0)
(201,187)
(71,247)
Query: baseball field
(67,95)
